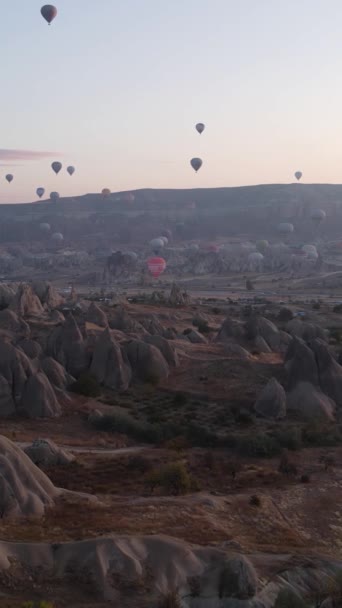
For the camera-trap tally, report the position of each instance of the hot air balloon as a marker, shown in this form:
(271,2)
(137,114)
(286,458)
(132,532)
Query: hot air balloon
(193,247)
(49,12)
(9,178)
(156,266)
(131,254)
(262,245)
(285,228)
(106,192)
(165,240)
(309,249)
(54,196)
(71,170)
(200,127)
(196,163)
(298,175)
(167,233)
(56,167)
(40,192)
(45,227)
(255,258)
(57,237)
(318,215)
(157,245)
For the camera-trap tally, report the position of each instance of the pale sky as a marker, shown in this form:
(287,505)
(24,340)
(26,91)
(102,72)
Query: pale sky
(115,87)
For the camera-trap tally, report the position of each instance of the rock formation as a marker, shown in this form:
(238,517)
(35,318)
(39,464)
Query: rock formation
(147,362)
(44,452)
(272,401)
(24,489)
(108,365)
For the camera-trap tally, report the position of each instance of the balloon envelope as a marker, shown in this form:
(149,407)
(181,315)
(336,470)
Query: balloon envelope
(285,228)
(106,192)
(71,170)
(262,245)
(298,175)
(49,12)
(45,227)
(200,127)
(56,167)
(40,192)
(54,196)
(318,215)
(196,163)
(256,256)
(167,233)
(9,178)
(157,244)
(156,266)
(57,237)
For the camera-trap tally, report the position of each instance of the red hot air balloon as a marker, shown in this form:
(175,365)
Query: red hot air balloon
(49,12)
(156,266)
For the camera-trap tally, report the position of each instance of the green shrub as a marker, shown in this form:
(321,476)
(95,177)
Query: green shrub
(86,385)
(39,604)
(290,438)
(255,501)
(173,478)
(258,445)
(119,423)
(180,399)
(200,437)
(288,599)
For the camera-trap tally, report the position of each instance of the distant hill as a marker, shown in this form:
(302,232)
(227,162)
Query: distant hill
(206,212)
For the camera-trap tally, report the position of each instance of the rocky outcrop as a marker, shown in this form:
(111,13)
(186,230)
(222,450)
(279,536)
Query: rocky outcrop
(109,366)
(231,331)
(169,353)
(178,297)
(24,489)
(96,315)
(304,330)
(67,346)
(235,351)
(10,321)
(38,399)
(147,362)
(195,337)
(7,294)
(260,326)
(261,346)
(272,401)
(300,364)
(44,452)
(32,349)
(7,403)
(52,298)
(329,371)
(309,404)
(121,320)
(55,372)
(15,368)
(153,326)
(26,303)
